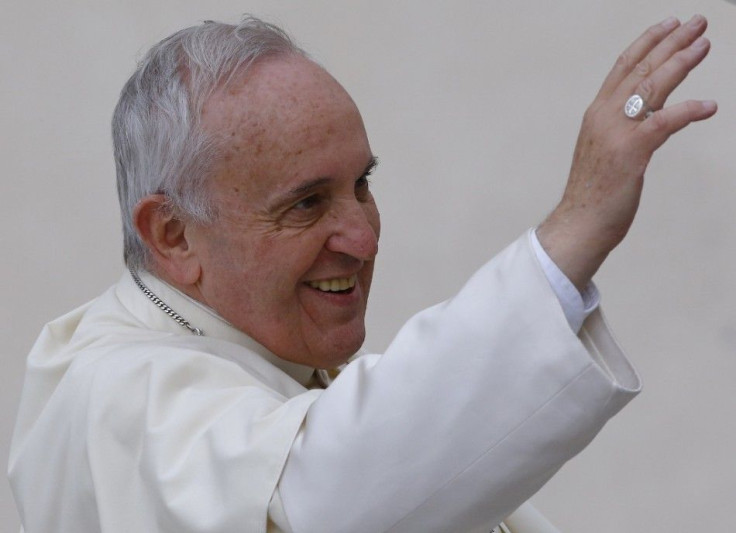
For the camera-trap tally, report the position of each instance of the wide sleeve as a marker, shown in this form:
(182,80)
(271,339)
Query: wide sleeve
(473,407)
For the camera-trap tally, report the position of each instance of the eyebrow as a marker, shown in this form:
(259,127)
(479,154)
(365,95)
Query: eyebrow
(307,187)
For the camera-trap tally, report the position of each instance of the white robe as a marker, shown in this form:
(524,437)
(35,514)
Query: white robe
(128,422)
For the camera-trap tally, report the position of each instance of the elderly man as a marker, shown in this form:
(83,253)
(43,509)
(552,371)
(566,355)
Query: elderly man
(201,393)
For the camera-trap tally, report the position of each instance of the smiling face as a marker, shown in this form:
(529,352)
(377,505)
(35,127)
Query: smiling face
(289,259)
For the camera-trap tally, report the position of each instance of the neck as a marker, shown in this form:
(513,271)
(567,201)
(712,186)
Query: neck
(191,290)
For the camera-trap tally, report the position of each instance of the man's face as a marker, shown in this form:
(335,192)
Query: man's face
(289,260)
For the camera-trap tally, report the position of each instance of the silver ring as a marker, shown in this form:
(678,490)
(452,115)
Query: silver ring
(634,107)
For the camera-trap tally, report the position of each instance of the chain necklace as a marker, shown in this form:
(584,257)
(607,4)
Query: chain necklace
(165,308)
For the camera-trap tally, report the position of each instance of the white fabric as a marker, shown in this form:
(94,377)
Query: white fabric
(576,306)
(526,519)
(130,423)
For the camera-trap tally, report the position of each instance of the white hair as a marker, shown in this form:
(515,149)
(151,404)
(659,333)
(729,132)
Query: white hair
(160,147)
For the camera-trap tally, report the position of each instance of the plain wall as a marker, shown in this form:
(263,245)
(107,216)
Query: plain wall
(473,108)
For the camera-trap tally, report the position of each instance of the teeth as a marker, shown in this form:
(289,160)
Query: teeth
(334,285)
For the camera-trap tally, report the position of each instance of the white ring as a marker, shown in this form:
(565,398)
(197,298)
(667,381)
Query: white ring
(634,106)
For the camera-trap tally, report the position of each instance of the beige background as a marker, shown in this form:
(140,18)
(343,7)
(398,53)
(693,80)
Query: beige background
(473,108)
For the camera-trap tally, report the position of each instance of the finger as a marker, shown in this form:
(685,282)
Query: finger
(655,130)
(637,51)
(680,39)
(656,88)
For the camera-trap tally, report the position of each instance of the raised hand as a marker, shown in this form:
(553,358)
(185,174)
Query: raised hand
(614,149)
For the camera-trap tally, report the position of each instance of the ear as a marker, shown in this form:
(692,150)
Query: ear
(165,236)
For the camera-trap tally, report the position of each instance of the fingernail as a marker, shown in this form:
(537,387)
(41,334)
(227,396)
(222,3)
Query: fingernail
(700,42)
(670,23)
(696,21)
(709,105)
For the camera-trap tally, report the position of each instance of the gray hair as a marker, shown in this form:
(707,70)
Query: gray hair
(160,147)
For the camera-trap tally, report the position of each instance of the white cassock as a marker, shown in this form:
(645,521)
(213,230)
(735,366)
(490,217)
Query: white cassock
(129,423)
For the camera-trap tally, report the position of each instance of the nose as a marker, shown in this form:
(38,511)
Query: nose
(356,231)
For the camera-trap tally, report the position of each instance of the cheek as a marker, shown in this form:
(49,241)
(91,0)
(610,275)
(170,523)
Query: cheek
(230,267)
(264,269)
(272,270)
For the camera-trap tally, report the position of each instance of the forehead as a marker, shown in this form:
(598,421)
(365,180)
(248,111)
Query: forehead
(283,117)
(275,96)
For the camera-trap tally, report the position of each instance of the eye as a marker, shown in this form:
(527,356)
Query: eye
(362,188)
(310,202)
(306,211)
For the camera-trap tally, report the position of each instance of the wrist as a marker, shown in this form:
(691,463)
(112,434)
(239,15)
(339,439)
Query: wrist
(576,251)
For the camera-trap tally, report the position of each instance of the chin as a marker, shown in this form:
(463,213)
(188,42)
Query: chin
(337,354)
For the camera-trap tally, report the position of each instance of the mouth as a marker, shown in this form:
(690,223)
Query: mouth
(339,285)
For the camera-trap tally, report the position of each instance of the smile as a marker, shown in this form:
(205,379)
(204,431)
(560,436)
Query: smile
(334,285)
